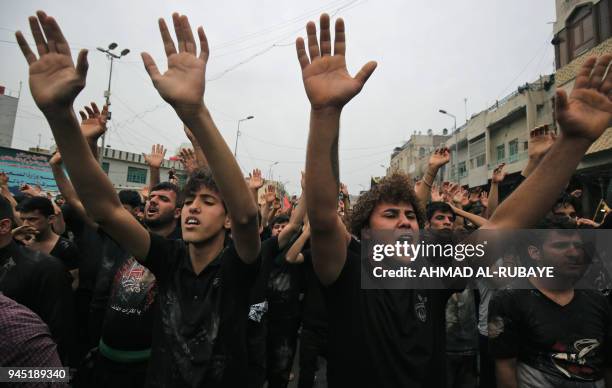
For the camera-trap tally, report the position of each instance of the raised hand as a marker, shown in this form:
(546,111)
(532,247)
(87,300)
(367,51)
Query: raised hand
(255,180)
(188,159)
(474,196)
(270,194)
(29,190)
(54,80)
(498,174)
(484,199)
(587,112)
(439,157)
(436,196)
(156,157)
(540,140)
(182,85)
(344,190)
(326,79)
(25,233)
(93,123)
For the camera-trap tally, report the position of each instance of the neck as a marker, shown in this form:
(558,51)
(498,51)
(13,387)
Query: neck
(164,230)
(560,295)
(46,235)
(203,253)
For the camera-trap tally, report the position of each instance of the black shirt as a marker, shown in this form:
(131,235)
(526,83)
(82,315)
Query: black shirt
(67,252)
(384,338)
(200,336)
(314,313)
(41,283)
(571,342)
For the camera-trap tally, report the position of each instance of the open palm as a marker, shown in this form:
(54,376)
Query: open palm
(182,85)
(326,78)
(54,80)
(587,113)
(93,123)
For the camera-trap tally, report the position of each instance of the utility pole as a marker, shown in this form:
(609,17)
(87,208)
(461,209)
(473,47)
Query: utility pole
(112,56)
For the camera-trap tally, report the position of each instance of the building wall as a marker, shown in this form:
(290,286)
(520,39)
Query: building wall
(8,113)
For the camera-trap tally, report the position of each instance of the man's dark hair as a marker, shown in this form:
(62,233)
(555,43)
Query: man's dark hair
(168,186)
(6,210)
(42,204)
(130,198)
(538,237)
(394,189)
(567,200)
(282,219)
(439,206)
(201,177)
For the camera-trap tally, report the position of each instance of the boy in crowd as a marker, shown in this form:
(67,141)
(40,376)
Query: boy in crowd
(391,338)
(203,280)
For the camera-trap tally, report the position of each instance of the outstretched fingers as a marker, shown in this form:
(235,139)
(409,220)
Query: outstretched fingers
(365,72)
(204,50)
(599,71)
(190,45)
(150,66)
(39,38)
(584,74)
(313,44)
(325,35)
(178,30)
(339,40)
(48,29)
(61,44)
(25,48)
(166,38)
(301,53)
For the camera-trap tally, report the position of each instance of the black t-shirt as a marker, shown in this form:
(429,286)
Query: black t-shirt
(571,342)
(314,313)
(200,335)
(384,338)
(67,252)
(89,242)
(41,283)
(128,321)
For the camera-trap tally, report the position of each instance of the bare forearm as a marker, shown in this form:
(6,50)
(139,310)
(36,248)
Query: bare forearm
(296,248)
(423,191)
(532,163)
(473,218)
(91,183)
(155,178)
(322,169)
(536,195)
(295,222)
(224,166)
(493,199)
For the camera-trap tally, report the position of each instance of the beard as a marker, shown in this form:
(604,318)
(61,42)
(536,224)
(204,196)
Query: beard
(162,220)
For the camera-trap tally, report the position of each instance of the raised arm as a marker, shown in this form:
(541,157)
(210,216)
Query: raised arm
(155,160)
(55,82)
(6,193)
(295,221)
(492,198)
(255,182)
(329,87)
(294,254)
(438,158)
(540,140)
(582,117)
(182,86)
(197,150)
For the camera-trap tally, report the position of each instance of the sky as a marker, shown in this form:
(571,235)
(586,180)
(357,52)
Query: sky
(460,56)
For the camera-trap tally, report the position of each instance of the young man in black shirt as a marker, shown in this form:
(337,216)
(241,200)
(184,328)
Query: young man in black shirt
(37,215)
(39,282)
(203,281)
(391,338)
(546,333)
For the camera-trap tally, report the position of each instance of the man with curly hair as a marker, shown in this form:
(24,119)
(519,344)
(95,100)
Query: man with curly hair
(395,338)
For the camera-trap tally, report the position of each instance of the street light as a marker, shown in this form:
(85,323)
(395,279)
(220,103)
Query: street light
(454,164)
(270,170)
(238,132)
(112,56)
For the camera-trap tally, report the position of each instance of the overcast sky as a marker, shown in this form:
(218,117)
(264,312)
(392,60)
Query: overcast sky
(430,55)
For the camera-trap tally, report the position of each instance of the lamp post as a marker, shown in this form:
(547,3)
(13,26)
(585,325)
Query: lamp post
(270,176)
(112,56)
(238,133)
(454,165)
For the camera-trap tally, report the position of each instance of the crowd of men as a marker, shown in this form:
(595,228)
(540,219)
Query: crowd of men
(211,285)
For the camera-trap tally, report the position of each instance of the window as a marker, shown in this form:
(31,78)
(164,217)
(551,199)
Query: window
(501,152)
(113,155)
(462,169)
(136,175)
(105,167)
(480,160)
(513,151)
(581,31)
(182,179)
(421,152)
